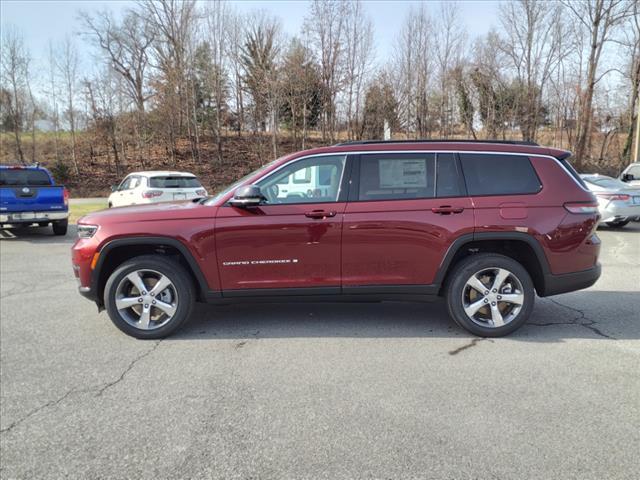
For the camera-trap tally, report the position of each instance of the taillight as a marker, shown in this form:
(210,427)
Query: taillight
(65,196)
(151,193)
(581,207)
(614,196)
(201,193)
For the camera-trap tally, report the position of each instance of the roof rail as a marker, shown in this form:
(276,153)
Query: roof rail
(373,142)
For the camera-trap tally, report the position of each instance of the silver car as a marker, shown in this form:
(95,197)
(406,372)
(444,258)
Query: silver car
(618,202)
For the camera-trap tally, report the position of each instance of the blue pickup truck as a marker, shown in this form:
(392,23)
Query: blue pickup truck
(29,196)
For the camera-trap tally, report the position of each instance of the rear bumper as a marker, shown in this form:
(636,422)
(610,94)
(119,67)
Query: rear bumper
(32,217)
(615,212)
(570,282)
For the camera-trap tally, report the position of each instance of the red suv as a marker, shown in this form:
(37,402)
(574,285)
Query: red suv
(487,225)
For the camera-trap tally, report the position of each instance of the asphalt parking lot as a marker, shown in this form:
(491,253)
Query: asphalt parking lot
(329,391)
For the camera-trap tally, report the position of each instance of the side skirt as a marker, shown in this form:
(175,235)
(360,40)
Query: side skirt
(366,294)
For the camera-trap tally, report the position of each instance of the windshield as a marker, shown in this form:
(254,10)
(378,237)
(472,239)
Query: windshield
(174,182)
(24,177)
(606,182)
(228,189)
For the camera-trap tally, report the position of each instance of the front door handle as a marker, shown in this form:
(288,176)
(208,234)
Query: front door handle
(446,210)
(320,214)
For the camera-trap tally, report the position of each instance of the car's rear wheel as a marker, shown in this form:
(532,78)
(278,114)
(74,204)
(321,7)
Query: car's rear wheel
(618,223)
(60,227)
(149,296)
(490,295)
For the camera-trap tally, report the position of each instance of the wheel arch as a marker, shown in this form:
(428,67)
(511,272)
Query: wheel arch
(520,246)
(117,251)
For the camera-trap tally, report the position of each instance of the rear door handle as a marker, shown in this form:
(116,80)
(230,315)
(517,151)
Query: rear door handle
(320,214)
(447,210)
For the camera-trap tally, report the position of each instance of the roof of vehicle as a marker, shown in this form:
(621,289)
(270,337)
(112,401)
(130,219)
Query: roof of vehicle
(597,175)
(22,167)
(160,173)
(442,145)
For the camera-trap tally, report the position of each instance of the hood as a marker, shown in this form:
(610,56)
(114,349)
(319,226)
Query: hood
(150,212)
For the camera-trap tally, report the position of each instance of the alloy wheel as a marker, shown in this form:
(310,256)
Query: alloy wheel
(492,297)
(146,299)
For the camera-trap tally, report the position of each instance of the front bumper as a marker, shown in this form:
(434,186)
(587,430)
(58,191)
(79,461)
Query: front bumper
(570,282)
(32,217)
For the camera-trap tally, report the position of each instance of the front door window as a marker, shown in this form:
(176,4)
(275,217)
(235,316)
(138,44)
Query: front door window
(312,180)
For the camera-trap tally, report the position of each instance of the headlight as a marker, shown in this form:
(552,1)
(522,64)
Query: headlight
(87,231)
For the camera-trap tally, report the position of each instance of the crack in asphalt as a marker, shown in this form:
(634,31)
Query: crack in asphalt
(472,343)
(128,369)
(581,320)
(100,390)
(50,403)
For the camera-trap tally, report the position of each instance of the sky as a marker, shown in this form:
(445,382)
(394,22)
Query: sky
(43,21)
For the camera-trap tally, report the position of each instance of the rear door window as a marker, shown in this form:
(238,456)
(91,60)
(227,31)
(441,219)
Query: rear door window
(174,182)
(487,174)
(397,176)
(24,177)
(449,181)
(402,176)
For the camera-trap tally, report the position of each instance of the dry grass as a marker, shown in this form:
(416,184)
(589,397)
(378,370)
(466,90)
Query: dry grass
(79,210)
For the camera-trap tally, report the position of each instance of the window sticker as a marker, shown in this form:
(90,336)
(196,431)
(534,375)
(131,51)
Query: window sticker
(403,173)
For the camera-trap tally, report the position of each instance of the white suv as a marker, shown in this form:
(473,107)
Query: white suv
(631,175)
(157,186)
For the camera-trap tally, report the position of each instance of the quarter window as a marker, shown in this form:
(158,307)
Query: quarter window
(487,174)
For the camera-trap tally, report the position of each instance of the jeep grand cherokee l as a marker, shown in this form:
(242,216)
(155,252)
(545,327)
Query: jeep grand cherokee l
(485,225)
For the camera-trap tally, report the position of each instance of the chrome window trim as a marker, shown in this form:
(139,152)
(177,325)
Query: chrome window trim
(373,152)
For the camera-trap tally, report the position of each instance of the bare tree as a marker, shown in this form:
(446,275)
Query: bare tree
(14,70)
(217,21)
(53,93)
(325,26)
(532,47)
(599,18)
(172,24)
(233,44)
(413,67)
(68,70)
(126,46)
(449,38)
(102,92)
(359,55)
(630,42)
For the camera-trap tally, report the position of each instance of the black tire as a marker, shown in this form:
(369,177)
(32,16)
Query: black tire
(618,223)
(60,227)
(180,280)
(110,205)
(456,287)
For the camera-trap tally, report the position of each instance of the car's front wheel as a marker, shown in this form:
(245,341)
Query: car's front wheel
(149,297)
(490,295)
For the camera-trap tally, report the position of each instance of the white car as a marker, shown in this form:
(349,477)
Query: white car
(156,186)
(631,175)
(618,203)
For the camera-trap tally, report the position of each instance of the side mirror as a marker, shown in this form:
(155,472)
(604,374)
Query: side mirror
(247,196)
(627,177)
(114,188)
